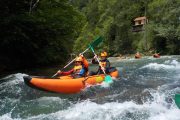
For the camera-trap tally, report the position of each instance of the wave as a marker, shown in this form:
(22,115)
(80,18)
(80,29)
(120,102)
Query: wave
(167,65)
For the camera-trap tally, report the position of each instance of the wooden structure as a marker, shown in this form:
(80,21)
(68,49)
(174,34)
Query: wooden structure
(139,23)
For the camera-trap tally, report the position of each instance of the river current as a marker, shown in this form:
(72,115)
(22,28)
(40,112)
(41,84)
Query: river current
(144,91)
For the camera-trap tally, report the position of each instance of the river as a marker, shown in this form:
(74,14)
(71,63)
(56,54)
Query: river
(145,91)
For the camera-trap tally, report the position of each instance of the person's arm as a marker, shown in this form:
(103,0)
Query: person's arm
(85,62)
(94,61)
(66,73)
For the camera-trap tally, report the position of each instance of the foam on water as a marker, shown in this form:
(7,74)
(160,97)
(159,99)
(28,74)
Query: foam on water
(17,75)
(11,83)
(18,103)
(105,85)
(88,110)
(7,117)
(129,110)
(157,66)
(170,64)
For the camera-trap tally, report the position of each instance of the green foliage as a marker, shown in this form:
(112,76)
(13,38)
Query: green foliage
(43,35)
(43,32)
(114,19)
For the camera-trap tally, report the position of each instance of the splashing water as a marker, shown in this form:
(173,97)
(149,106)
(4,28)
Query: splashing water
(145,91)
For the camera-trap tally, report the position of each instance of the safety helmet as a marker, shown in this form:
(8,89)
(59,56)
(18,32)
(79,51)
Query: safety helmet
(78,59)
(104,54)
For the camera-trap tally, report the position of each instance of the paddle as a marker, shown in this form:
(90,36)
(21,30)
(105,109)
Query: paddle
(177,100)
(108,78)
(95,43)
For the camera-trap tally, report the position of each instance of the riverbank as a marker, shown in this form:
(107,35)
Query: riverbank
(130,56)
(51,69)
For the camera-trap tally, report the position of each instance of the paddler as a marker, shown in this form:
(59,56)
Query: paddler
(104,62)
(80,68)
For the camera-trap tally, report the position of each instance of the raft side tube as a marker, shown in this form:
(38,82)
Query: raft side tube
(27,81)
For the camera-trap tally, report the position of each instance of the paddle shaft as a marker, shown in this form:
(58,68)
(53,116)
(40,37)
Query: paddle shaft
(97,60)
(96,42)
(71,61)
(74,59)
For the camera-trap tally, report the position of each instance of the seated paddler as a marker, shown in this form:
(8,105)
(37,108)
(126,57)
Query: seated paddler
(80,68)
(104,64)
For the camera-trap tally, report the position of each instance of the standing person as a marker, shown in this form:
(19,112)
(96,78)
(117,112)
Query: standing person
(104,62)
(80,68)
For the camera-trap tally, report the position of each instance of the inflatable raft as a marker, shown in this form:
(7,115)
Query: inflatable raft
(65,84)
(156,55)
(137,56)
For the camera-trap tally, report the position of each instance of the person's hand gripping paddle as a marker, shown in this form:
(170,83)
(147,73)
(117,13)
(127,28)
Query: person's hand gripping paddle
(108,78)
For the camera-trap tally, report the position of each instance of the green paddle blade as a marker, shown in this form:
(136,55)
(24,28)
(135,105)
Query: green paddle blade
(177,100)
(96,42)
(108,79)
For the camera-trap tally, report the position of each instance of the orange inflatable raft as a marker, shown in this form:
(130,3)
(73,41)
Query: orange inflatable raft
(137,55)
(65,84)
(157,55)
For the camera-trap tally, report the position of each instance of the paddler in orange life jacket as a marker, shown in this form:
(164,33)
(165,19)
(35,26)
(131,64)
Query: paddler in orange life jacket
(104,63)
(80,69)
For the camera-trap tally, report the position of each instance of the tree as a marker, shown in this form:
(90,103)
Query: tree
(42,36)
